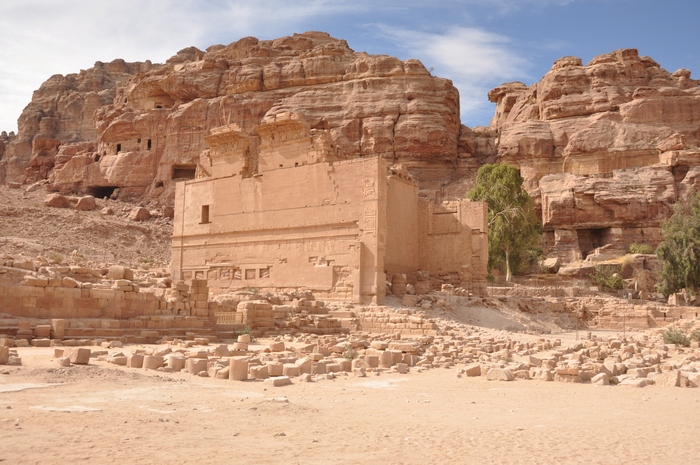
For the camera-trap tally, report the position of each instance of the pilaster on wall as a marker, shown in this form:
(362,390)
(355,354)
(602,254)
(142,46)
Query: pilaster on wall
(373,233)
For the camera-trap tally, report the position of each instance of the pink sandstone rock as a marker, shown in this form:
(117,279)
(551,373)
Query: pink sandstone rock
(56,201)
(86,203)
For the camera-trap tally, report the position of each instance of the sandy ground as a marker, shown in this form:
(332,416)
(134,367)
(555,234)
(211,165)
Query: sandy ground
(102,413)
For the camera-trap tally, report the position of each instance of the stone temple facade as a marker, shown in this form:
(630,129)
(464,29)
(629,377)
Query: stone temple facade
(283,210)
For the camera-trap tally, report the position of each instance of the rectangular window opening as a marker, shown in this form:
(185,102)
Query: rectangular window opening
(205,214)
(149,144)
(250,274)
(184,171)
(119,148)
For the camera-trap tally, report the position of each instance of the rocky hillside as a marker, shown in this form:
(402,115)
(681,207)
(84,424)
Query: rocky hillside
(137,127)
(606,148)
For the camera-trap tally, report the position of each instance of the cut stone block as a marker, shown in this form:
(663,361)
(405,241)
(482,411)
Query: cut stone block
(667,379)
(345,365)
(277,346)
(118,360)
(275,368)
(4,355)
(290,369)
(304,365)
(279,381)
(472,370)
(259,372)
(601,379)
(41,342)
(386,359)
(372,361)
(134,361)
(500,374)
(42,331)
(634,382)
(80,356)
(152,362)
(332,367)
(245,338)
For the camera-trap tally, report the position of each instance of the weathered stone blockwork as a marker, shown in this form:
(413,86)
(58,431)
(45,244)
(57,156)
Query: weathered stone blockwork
(295,215)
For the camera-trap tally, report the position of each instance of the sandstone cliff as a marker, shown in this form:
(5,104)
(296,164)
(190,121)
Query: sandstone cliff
(137,126)
(607,148)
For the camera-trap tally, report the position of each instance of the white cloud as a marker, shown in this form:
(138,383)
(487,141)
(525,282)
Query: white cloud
(45,37)
(474,59)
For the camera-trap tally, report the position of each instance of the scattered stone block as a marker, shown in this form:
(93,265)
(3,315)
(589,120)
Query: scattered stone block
(63,361)
(304,365)
(277,346)
(386,359)
(601,379)
(259,372)
(275,368)
(41,342)
(134,361)
(80,356)
(118,360)
(634,382)
(500,374)
(42,331)
(4,355)
(372,361)
(472,370)
(152,362)
(345,365)
(290,369)
(243,338)
(279,381)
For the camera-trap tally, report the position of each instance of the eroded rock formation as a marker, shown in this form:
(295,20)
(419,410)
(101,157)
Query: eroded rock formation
(139,126)
(608,147)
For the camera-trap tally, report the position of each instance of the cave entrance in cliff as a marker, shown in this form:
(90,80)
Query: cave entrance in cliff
(184,171)
(591,239)
(100,192)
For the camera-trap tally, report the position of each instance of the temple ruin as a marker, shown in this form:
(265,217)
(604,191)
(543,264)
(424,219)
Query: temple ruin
(282,209)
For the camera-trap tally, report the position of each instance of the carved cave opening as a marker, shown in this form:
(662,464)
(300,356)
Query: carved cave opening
(591,239)
(100,192)
(184,171)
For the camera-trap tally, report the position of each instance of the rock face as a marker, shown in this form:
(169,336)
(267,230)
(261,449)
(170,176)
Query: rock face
(139,127)
(607,148)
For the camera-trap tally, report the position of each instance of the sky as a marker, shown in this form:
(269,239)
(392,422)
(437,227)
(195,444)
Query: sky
(478,44)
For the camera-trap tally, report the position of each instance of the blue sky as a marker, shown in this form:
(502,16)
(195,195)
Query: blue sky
(478,44)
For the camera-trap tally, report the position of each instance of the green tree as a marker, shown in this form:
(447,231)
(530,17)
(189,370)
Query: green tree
(680,250)
(514,229)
